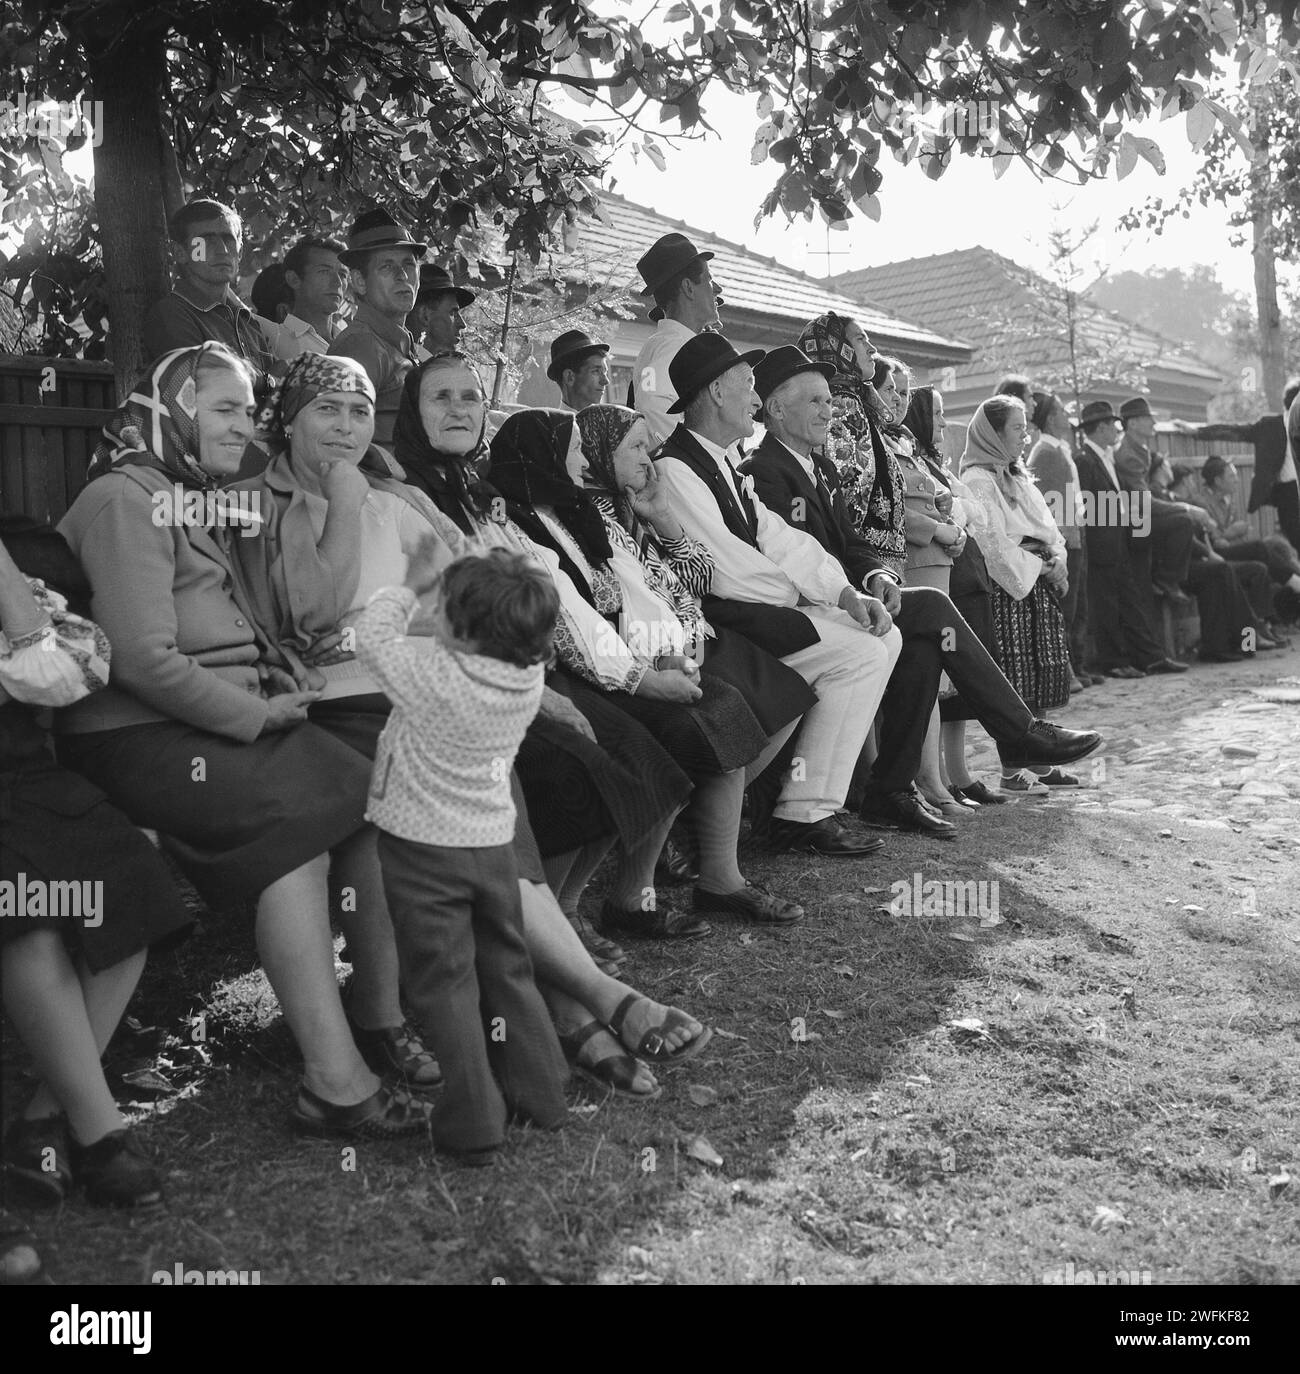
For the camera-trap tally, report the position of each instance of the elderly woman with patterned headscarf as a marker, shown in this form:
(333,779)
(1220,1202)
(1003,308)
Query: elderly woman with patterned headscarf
(307,590)
(869,472)
(196,738)
(1025,555)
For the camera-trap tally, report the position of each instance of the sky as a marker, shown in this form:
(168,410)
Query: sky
(712,184)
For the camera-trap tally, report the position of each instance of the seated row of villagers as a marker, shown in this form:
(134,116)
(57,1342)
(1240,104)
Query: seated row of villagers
(704,646)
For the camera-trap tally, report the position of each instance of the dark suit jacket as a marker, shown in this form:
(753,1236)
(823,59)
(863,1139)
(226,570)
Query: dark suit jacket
(1134,465)
(786,490)
(1105,543)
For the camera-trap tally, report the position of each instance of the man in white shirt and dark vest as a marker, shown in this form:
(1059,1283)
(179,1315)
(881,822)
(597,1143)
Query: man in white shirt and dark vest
(795,481)
(687,298)
(778,586)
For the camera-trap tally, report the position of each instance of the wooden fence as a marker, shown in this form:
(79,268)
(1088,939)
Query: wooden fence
(51,413)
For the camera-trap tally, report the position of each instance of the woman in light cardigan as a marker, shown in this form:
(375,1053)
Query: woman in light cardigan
(1025,555)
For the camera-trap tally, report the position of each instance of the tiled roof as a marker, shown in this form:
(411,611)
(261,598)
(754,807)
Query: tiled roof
(757,288)
(973,291)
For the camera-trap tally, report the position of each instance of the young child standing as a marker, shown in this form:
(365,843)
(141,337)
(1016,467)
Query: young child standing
(462,698)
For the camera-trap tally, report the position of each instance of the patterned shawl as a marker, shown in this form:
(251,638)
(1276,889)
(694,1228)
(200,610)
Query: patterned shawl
(603,429)
(157,425)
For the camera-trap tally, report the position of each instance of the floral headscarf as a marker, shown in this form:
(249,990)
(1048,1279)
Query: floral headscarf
(309,375)
(603,429)
(452,481)
(157,425)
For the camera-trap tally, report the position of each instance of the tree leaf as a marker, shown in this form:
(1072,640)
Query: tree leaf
(699,1148)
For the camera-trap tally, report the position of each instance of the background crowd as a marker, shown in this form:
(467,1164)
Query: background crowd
(462,661)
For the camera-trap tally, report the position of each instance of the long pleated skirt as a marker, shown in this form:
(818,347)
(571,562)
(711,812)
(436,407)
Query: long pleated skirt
(1033,647)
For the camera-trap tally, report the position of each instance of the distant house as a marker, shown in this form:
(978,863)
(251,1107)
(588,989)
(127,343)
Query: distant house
(1018,322)
(764,302)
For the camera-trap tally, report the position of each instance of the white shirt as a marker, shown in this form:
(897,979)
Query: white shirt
(292,338)
(1107,456)
(787,565)
(652,390)
(1013,568)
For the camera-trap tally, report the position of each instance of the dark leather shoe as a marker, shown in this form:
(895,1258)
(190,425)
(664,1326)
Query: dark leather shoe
(1125,670)
(663,923)
(907,812)
(1166,665)
(1171,592)
(1046,743)
(820,837)
(675,866)
(926,805)
(37,1159)
(752,902)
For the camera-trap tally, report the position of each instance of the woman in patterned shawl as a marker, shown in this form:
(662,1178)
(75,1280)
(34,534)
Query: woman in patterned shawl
(869,471)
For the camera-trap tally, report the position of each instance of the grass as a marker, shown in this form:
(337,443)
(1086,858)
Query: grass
(1133,1056)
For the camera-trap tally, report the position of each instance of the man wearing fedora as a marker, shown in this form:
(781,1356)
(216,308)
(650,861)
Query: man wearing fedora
(677,276)
(1162,560)
(778,586)
(794,480)
(384,263)
(436,320)
(1124,643)
(579,368)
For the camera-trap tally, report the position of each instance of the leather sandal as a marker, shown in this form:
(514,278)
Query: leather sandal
(651,1045)
(615,1071)
(663,923)
(398,1051)
(388,1113)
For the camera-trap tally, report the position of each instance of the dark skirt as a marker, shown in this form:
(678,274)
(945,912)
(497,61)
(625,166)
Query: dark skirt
(1033,648)
(775,693)
(56,828)
(237,817)
(359,721)
(638,783)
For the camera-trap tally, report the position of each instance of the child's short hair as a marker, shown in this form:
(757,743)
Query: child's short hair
(505,603)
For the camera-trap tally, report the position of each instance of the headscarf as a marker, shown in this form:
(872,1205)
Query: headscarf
(919,421)
(157,425)
(825,340)
(603,428)
(527,468)
(308,376)
(986,448)
(452,481)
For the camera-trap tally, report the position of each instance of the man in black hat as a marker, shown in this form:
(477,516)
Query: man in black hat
(677,276)
(436,320)
(384,263)
(1124,642)
(793,479)
(579,367)
(1161,559)
(841,641)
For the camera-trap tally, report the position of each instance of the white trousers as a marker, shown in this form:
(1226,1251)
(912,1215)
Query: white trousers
(848,669)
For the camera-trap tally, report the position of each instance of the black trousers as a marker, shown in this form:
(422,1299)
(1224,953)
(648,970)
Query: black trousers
(1255,582)
(466,972)
(937,639)
(1227,620)
(1172,533)
(1074,605)
(1276,555)
(1286,498)
(1119,616)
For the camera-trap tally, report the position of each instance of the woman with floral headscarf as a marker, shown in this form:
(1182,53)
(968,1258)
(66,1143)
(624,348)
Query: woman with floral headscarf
(321,421)
(869,472)
(1026,559)
(194,738)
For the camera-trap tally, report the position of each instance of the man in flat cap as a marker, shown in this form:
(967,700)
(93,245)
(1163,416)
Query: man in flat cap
(677,276)
(436,321)
(1124,641)
(778,586)
(793,479)
(580,368)
(383,261)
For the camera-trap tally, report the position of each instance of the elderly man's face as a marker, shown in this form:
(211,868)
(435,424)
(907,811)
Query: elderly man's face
(799,411)
(737,401)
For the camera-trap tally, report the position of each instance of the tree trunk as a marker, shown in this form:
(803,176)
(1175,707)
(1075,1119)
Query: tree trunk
(1272,346)
(130,194)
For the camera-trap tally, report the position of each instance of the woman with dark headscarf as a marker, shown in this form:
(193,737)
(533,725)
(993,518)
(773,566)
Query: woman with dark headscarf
(322,420)
(538,459)
(1025,555)
(251,798)
(869,472)
(969,587)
